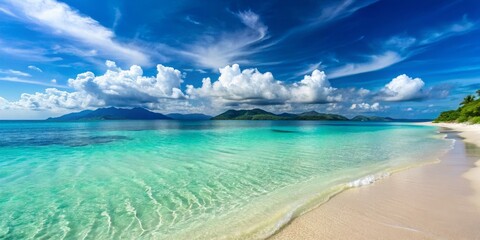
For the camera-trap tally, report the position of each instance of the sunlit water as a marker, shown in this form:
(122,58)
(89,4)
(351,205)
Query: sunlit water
(189,180)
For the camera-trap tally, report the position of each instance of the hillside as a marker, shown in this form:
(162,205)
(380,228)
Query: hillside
(259,114)
(361,118)
(111,113)
(254,114)
(189,116)
(469,111)
(312,115)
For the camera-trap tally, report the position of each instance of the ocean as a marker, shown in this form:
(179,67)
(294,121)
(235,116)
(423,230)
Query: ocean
(190,180)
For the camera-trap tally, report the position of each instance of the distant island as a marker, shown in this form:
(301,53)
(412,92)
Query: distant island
(259,114)
(112,113)
(468,112)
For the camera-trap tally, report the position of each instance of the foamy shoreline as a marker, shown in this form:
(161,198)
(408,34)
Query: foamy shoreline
(429,202)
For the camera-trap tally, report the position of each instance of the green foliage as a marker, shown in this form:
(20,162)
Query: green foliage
(468,99)
(469,111)
(475,120)
(448,116)
(259,114)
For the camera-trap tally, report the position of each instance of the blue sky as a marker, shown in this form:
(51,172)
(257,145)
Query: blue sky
(398,58)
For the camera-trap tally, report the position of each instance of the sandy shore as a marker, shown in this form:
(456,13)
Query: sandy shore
(436,201)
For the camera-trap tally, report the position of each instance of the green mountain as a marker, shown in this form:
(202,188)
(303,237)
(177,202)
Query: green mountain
(253,114)
(361,118)
(469,111)
(312,115)
(111,113)
(189,116)
(259,114)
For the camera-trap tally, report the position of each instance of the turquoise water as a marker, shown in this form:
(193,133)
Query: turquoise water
(189,180)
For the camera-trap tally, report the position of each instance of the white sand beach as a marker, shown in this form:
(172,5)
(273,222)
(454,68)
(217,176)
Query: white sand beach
(435,201)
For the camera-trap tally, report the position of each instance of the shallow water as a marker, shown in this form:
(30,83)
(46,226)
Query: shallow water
(189,180)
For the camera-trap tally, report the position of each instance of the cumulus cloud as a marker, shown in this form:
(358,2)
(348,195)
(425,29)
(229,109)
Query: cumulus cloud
(403,88)
(4,103)
(53,99)
(124,87)
(234,87)
(251,86)
(366,107)
(116,87)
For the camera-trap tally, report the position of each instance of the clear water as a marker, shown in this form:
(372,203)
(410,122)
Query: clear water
(188,180)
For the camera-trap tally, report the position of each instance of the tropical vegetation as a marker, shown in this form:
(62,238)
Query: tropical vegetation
(468,112)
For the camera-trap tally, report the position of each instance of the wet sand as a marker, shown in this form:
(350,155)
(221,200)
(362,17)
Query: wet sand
(435,201)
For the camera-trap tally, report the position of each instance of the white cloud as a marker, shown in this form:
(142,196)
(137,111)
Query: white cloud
(313,88)
(234,88)
(252,20)
(4,104)
(403,88)
(340,9)
(54,99)
(450,30)
(374,63)
(130,87)
(401,47)
(366,107)
(221,49)
(14,72)
(235,85)
(327,12)
(116,87)
(25,51)
(253,87)
(21,80)
(35,68)
(6,11)
(116,20)
(60,19)
(189,19)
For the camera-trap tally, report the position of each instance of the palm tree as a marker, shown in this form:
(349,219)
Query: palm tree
(468,99)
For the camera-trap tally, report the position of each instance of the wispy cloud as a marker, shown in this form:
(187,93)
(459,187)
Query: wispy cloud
(231,47)
(191,20)
(35,68)
(453,29)
(28,53)
(6,11)
(21,80)
(401,47)
(61,20)
(326,14)
(15,72)
(373,63)
(308,69)
(116,20)
(339,10)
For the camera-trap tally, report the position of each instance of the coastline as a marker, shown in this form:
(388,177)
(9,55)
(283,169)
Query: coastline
(433,201)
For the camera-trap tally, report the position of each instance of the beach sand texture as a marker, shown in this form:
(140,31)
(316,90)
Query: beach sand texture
(436,201)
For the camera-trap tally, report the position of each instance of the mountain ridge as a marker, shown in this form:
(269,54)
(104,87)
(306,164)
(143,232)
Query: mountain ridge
(113,113)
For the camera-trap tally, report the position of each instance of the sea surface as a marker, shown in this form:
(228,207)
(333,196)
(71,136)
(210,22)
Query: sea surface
(189,180)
